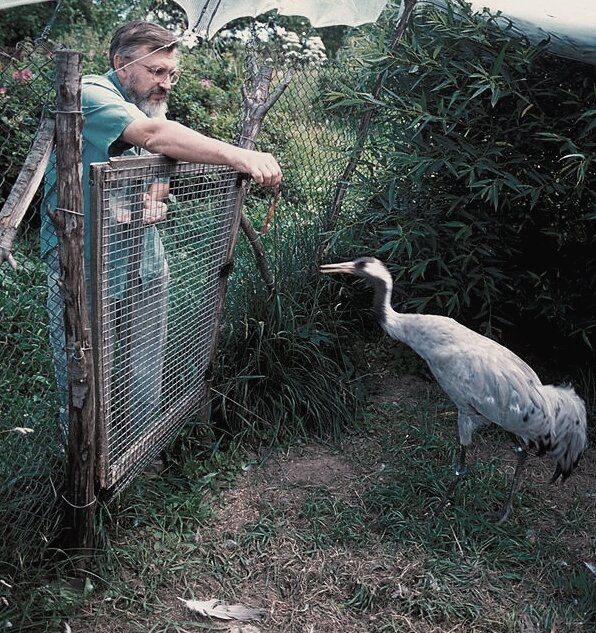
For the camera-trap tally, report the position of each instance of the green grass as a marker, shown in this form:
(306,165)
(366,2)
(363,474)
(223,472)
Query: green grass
(362,552)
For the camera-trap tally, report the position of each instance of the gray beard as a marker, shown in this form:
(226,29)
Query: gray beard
(153,109)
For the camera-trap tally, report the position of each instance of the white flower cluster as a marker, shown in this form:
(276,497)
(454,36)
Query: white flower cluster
(302,49)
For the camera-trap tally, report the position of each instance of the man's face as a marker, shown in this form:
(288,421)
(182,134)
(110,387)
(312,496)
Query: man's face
(148,80)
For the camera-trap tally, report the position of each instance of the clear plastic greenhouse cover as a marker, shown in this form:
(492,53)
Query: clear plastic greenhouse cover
(568,26)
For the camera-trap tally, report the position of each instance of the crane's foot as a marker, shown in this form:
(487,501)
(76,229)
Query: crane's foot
(507,508)
(460,473)
(505,512)
(446,498)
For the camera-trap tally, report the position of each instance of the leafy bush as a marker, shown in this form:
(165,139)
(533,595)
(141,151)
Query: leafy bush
(207,98)
(480,174)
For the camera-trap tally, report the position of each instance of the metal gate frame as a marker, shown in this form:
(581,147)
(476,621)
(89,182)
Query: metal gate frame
(115,472)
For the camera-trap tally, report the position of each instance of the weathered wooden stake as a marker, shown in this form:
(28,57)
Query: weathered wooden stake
(68,218)
(24,189)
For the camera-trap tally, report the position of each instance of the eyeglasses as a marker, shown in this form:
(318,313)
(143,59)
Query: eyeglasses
(160,74)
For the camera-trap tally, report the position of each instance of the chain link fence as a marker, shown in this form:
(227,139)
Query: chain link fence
(32,464)
(183,256)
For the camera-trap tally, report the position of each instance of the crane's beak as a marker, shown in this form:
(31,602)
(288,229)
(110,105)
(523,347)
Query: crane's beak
(342,267)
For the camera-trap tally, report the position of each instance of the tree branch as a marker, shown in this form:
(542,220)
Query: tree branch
(256,107)
(362,134)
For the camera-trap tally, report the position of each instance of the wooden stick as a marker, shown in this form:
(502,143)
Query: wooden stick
(24,188)
(68,219)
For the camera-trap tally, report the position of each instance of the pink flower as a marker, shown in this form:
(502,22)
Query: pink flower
(22,75)
(207,83)
(2,91)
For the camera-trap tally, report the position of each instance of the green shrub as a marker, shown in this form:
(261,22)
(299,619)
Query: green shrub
(480,176)
(281,374)
(207,98)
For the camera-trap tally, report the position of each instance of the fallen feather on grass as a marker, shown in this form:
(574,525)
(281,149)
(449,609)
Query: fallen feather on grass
(215,609)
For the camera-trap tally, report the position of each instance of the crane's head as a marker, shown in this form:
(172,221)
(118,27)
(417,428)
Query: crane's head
(366,267)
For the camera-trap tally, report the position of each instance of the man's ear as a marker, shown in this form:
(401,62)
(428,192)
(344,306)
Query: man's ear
(119,65)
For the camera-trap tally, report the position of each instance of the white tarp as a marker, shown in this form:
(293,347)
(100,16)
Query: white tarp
(207,17)
(567,26)
(7,4)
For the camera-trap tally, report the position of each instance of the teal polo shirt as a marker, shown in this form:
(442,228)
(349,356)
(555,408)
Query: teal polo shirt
(107,112)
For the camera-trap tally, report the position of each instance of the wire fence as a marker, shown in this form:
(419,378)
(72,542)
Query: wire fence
(33,457)
(154,349)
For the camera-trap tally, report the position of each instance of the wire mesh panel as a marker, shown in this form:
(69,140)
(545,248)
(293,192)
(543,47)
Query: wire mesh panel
(163,234)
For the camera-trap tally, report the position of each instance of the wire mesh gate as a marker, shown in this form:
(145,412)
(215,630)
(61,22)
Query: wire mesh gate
(156,292)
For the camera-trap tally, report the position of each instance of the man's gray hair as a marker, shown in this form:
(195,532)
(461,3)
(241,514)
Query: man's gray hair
(130,37)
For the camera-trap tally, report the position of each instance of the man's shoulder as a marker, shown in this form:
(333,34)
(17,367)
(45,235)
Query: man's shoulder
(102,81)
(100,84)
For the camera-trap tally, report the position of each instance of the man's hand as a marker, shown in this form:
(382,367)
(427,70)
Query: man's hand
(262,167)
(154,210)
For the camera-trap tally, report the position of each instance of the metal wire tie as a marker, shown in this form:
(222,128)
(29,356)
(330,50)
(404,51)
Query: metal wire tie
(68,211)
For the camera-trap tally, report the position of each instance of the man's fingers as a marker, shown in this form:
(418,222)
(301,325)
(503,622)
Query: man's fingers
(262,167)
(264,175)
(154,212)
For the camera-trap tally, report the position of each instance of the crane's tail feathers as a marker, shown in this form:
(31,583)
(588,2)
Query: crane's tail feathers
(563,474)
(568,438)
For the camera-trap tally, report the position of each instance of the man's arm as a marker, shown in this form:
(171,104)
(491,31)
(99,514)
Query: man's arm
(161,136)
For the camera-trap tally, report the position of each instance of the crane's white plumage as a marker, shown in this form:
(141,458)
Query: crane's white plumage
(486,381)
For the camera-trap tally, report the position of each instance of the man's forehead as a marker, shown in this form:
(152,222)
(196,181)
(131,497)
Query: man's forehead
(161,57)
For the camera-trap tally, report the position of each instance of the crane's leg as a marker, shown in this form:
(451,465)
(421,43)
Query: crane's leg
(460,473)
(508,505)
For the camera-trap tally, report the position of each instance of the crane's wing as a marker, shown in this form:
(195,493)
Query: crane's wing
(485,379)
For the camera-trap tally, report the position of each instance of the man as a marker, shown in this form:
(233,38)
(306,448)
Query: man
(124,113)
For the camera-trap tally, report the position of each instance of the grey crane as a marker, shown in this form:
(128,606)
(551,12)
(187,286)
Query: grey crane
(486,381)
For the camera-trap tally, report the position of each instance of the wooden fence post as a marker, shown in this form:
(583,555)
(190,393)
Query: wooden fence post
(68,218)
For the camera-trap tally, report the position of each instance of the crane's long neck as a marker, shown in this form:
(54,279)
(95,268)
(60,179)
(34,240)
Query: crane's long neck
(387,316)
